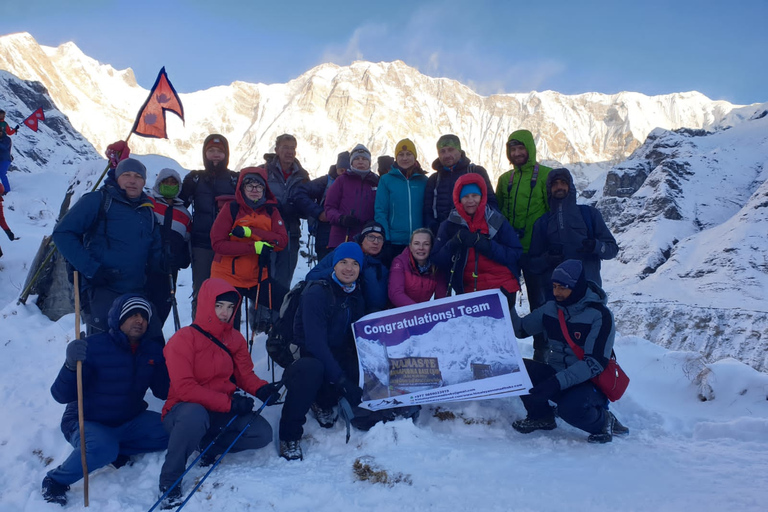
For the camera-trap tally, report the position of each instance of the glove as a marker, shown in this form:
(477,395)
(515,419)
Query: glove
(465,238)
(264,254)
(588,245)
(483,245)
(351,391)
(242,232)
(546,389)
(10,234)
(349,221)
(269,393)
(553,259)
(104,276)
(260,246)
(241,404)
(16,129)
(75,352)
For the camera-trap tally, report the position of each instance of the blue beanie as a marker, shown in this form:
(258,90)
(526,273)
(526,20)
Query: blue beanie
(470,188)
(567,273)
(348,250)
(131,165)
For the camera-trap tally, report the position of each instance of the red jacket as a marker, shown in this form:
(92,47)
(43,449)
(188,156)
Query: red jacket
(200,370)
(408,286)
(3,224)
(236,260)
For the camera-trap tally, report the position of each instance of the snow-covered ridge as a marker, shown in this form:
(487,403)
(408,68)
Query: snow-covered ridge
(330,108)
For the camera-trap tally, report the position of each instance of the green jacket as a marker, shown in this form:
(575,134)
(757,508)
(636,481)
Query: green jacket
(520,203)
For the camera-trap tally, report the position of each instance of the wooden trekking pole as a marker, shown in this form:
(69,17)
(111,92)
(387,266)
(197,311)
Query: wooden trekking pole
(80,412)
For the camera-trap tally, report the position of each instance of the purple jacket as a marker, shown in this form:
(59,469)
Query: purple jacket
(350,195)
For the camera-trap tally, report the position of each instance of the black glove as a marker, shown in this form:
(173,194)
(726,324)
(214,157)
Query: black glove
(241,404)
(483,245)
(75,352)
(553,259)
(104,276)
(269,393)
(351,391)
(264,256)
(10,234)
(349,221)
(588,245)
(465,238)
(546,389)
(239,232)
(16,129)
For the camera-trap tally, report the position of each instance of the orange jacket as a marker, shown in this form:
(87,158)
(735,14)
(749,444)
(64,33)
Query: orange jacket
(236,260)
(199,369)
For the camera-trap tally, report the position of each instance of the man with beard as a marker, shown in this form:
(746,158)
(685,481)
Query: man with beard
(204,189)
(523,199)
(569,231)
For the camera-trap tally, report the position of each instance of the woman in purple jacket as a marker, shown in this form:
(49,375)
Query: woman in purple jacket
(349,204)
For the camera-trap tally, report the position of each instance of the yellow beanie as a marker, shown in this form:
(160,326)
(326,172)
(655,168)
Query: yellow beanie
(405,145)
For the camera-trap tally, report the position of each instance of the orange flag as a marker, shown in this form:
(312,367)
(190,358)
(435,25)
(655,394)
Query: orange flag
(151,119)
(31,121)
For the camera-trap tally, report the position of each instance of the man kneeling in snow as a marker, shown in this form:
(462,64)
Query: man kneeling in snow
(118,368)
(564,378)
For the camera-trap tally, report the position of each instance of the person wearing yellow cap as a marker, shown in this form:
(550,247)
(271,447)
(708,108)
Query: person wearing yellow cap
(400,198)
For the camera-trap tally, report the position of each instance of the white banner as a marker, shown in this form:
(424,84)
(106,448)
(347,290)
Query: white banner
(447,350)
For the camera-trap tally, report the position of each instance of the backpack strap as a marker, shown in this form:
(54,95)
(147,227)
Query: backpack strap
(234,208)
(220,345)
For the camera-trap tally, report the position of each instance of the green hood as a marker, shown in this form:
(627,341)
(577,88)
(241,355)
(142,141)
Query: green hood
(526,138)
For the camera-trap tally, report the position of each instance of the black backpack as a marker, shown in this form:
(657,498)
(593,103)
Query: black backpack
(280,338)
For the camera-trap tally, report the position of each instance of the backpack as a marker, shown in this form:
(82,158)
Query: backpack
(281,336)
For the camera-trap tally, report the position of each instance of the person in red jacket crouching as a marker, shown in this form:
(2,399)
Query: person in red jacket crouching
(207,361)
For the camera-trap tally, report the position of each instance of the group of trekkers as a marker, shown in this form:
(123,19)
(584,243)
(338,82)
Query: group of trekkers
(391,238)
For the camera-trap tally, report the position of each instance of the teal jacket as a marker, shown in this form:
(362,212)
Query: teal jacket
(399,204)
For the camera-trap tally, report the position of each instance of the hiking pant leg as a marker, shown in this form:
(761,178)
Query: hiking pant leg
(286,260)
(303,380)
(186,424)
(102,446)
(583,406)
(158,292)
(99,303)
(535,294)
(536,407)
(201,270)
(145,433)
(4,175)
(257,435)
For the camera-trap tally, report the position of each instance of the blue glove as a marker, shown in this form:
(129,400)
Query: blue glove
(76,351)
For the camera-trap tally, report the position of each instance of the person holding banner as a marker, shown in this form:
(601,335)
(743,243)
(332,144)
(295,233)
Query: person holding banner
(564,378)
(5,150)
(413,278)
(475,245)
(327,369)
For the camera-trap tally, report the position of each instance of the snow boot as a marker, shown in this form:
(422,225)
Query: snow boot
(606,435)
(291,450)
(122,460)
(207,460)
(529,425)
(54,492)
(618,428)
(173,500)
(325,417)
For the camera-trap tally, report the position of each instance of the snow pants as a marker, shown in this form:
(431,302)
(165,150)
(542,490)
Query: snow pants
(192,427)
(201,270)
(536,298)
(144,433)
(4,175)
(582,406)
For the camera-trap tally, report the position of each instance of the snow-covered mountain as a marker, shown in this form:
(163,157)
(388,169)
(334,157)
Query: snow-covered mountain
(690,211)
(330,108)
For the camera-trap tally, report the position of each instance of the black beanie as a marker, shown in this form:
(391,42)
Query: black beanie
(232,297)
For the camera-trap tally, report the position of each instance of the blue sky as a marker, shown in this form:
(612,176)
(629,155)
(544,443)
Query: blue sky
(654,47)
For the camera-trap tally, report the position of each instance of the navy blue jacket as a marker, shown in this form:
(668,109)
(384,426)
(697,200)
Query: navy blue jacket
(562,231)
(201,189)
(125,237)
(328,323)
(115,380)
(374,282)
(310,198)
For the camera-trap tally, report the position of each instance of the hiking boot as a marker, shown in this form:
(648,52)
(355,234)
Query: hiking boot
(291,450)
(122,460)
(606,436)
(529,425)
(54,492)
(325,417)
(173,500)
(207,460)
(618,428)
